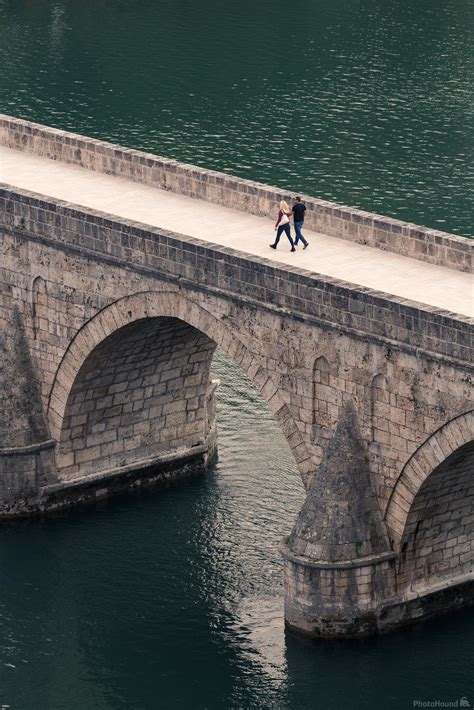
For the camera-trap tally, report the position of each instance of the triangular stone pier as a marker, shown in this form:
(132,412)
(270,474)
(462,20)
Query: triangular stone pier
(22,420)
(27,455)
(339,567)
(340,518)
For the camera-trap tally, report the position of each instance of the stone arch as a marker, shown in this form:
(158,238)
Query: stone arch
(172,305)
(444,442)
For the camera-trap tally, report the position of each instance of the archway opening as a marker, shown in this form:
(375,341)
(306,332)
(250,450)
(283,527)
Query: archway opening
(438,542)
(142,392)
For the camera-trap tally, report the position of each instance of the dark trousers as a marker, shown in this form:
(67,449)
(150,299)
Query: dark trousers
(284,228)
(299,236)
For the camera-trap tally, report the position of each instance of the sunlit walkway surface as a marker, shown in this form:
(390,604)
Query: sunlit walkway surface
(366,266)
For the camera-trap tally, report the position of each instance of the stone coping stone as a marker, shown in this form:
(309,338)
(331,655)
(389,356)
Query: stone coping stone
(342,564)
(30,449)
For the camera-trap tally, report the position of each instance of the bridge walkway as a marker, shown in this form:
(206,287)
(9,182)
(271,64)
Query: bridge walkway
(366,266)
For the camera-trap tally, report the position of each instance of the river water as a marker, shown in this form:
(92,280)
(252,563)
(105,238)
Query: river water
(174,599)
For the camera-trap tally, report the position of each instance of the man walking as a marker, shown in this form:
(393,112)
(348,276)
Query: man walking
(299,209)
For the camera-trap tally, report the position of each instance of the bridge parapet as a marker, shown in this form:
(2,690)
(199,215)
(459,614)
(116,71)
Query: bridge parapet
(336,304)
(340,221)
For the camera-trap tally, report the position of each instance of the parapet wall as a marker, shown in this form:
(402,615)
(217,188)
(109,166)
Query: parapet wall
(329,218)
(212,268)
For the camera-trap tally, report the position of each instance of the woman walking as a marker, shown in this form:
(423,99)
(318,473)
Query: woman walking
(283,225)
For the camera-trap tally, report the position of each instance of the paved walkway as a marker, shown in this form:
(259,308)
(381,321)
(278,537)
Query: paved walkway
(383,271)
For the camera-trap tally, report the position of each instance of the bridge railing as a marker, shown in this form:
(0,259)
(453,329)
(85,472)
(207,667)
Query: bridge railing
(329,218)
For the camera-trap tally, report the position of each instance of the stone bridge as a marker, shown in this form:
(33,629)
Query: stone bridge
(109,322)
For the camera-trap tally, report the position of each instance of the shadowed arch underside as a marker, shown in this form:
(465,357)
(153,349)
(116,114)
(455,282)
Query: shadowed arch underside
(142,392)
(438,539)
(427,458)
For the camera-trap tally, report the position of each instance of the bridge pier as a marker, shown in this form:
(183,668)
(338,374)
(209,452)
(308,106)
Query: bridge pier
(342,578)
(27,452)
(23,471)
(339,566)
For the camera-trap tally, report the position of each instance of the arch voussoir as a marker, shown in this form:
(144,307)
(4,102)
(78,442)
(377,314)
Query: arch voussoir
(237,352)
(436,449)
(411,483)
(460,433)
(445,445)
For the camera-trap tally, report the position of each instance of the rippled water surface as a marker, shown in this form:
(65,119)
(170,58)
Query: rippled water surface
(365,102)
(174,599)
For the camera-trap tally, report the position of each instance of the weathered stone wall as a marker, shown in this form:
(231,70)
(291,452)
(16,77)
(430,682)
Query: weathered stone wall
(343,576)
(344,222)
(441,446)
(22,421)
(403,398)
(338,601)
(22,471)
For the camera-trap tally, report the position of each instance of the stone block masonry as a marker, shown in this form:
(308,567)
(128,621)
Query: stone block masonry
(151,250)
(348,223)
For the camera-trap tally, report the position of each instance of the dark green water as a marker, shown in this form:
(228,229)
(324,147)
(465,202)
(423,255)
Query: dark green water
(365,102)
(173,600)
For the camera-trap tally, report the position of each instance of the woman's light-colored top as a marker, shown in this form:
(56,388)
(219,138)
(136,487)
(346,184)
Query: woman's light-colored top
(283,218)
